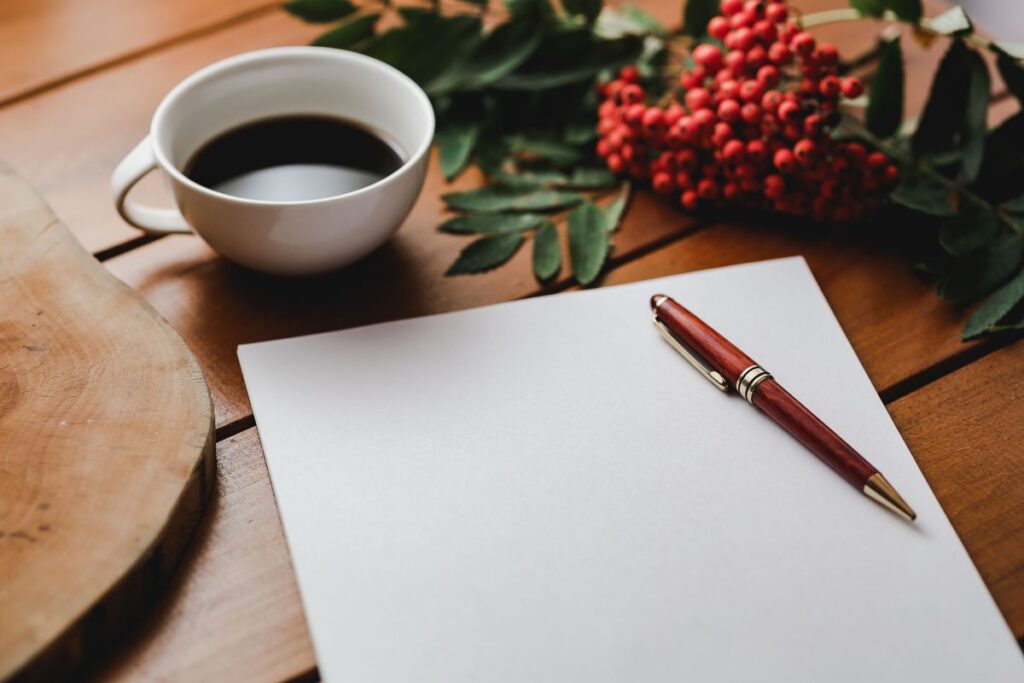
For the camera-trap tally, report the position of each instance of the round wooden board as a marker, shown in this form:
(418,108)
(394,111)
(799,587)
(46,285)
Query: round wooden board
(106,446)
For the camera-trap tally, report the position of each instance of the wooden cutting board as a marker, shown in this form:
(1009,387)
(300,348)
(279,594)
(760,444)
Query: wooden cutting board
(106,446)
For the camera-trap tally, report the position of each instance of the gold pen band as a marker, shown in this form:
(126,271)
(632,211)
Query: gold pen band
(749,380)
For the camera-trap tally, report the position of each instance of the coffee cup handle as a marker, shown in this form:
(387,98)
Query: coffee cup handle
(151,220)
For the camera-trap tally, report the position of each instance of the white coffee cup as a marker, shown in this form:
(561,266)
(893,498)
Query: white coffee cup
(284,237)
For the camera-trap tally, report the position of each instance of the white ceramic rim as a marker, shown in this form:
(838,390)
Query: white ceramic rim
(343,56)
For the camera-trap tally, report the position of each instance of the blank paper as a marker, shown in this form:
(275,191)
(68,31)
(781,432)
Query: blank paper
(544,491)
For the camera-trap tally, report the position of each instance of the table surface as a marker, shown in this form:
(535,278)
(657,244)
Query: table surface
(79,84)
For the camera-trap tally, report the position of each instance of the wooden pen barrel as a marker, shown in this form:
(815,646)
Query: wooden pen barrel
(798,420)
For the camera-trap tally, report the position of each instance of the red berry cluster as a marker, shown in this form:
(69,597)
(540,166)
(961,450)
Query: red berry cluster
(752,127)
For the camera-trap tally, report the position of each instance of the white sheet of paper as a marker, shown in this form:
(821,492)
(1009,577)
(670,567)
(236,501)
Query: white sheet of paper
(544,491)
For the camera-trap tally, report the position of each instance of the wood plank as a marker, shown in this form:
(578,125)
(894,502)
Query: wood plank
(43,42)
(232,612)
(869,285)
(67,142)
(967,433)
(106,446)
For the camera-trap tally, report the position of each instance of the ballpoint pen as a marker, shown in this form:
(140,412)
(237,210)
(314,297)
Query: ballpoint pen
(724,365)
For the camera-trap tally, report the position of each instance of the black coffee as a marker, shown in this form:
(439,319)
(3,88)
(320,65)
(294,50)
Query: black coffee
(293,158)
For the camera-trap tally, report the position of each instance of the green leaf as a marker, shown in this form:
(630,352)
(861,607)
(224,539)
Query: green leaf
(588,241)
(921,193)
(1012,74)
(869,8)
(1002,168)
(455,142)
(696,15)
(502,51)
(979,272)
(995,307)
(1015,206)
(972,136)
(496,199)
(970,230)
(613,212)
(588,9)
(592,178)
(952,22)
(885,106)
(529,8)
(946,108)
(907,10)
(478,223)
(486,253)
(556,152)
(580,132)
(413,48)
(320,11)
(531,179)
(349,33)
(570,57)
(547,253)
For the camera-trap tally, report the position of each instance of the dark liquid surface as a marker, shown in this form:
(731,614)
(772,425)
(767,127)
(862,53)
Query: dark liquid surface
(293,158)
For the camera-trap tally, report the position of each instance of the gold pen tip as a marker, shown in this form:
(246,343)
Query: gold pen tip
(878,489)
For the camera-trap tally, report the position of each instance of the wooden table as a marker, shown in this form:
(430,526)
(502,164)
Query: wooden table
(79,84)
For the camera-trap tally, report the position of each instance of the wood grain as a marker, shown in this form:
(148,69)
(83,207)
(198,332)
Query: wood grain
(966,432)
(67,142)
(44,42)
(232,611)
(106,446)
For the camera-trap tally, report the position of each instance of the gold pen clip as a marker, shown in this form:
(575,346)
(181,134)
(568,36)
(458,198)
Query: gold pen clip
(691,356)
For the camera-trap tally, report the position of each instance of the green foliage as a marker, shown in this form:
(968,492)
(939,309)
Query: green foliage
(320,11)
(885,104)
(995,308)
(975,126)
(907,10)
(946,108)
(500,199)
(589,241)
(547,252)
(486,253)
(486,223)
(350,33)
(696,15)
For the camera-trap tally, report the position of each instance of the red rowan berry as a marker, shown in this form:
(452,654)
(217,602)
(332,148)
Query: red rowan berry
(856,151)
(673,113)
(803,43)
(765,31)
(877,160)
(615,163)
(730,191)
(730,7)
(733,151)
(750,113)
(829,86)
(780,54)
(662,182)
(754,8)
(774,187)
(751,90)
(708,56)
(784,161)
(743,38)
(697,98)
(627,152)
(741,19)
(722,134)
(788,31)
(689,200)
(768,76)
(693,78)
(756,57)
(629,74)
(718,27)
(729,110)
(704,119)
(653,120)
(756,151)
(683,180)
(770,101)
(736,60)
(603,148)
(789,111)
(805,151)
(686,158)
(707,189)
(826,54)
(776,12)
(746,171)
(891,174)
(606,125)
(812,125)
(852,87)
(632,93)
(635,113)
